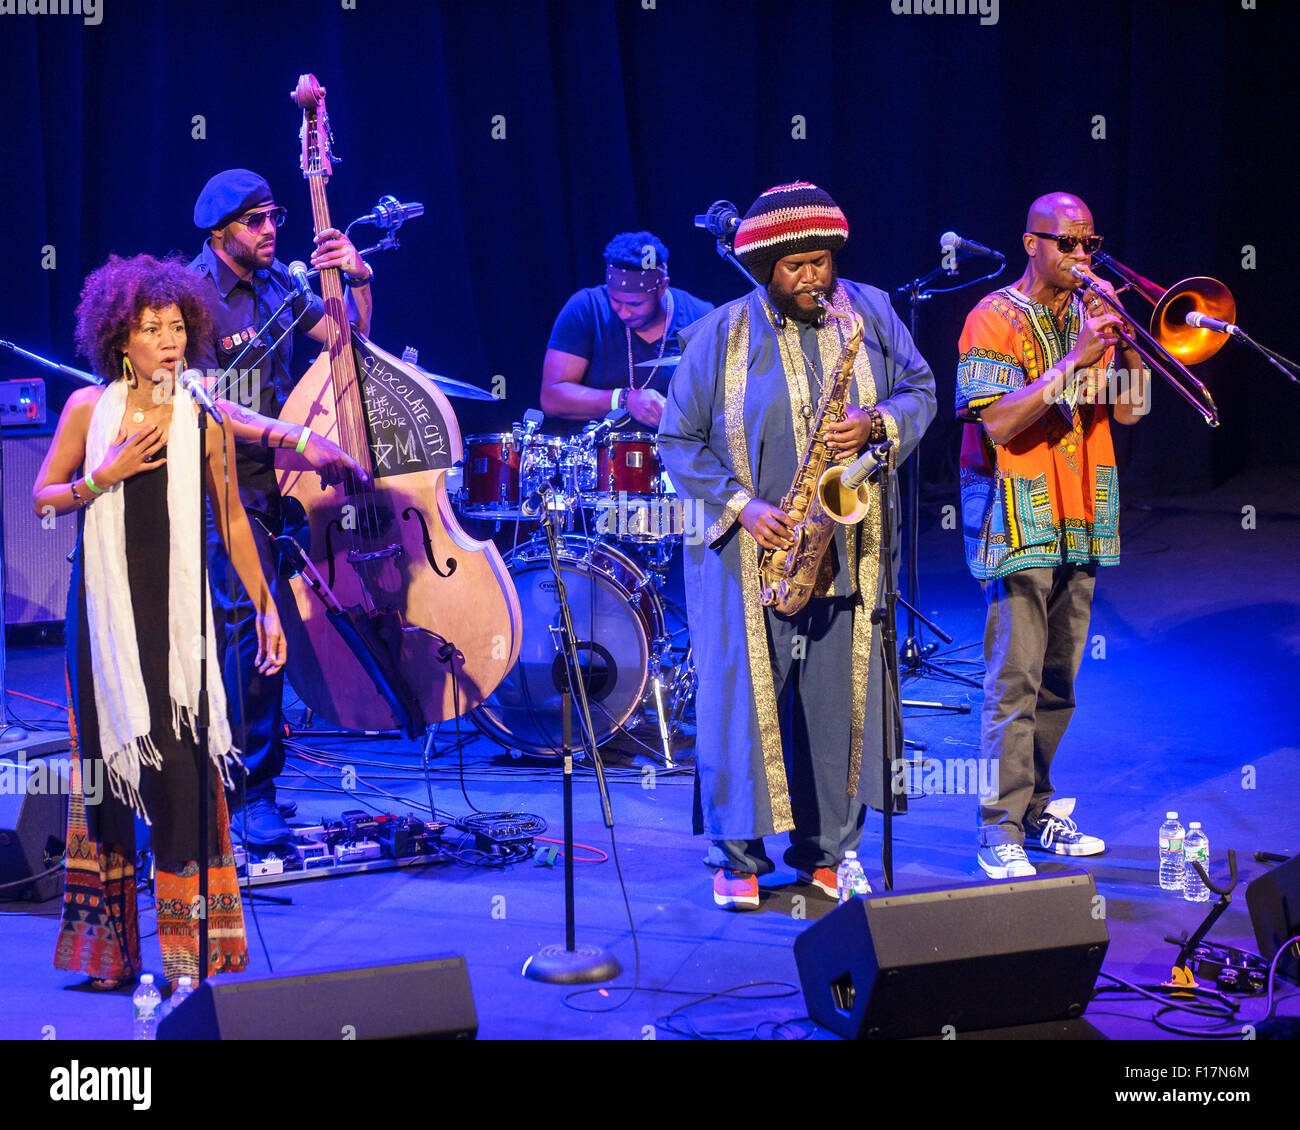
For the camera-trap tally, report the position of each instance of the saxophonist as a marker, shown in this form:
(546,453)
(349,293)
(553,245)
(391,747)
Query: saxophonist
(789,707)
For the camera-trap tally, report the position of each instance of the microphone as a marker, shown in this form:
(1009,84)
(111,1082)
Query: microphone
(391,213)
(536,502)
(721,219)
(950,240)
(601,430)
(864,466)
(192,382)
(1218,325)
(532,421)
(298,273)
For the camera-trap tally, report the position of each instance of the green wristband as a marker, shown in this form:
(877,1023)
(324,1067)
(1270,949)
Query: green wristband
(303,439)
(90,482)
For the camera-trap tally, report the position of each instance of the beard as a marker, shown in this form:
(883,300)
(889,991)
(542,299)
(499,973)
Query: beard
(239,252)
(788,304)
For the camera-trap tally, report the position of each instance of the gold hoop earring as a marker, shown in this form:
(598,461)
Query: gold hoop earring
(128,371)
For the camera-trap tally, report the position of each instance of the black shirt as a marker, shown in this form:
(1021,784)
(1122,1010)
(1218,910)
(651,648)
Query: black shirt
(263,380)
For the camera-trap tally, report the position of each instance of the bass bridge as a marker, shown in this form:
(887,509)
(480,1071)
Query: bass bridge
(357,557)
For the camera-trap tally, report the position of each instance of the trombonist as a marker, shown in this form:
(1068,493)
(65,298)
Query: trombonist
(1038,387)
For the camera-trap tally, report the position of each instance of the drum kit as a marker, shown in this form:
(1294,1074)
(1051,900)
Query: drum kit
(619,522)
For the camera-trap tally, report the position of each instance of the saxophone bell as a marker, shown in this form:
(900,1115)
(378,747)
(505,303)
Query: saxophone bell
(845,506)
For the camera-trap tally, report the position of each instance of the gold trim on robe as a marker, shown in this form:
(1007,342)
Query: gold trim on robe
(736,377)
(735,504)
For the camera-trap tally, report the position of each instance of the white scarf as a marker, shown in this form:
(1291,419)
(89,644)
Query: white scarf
(123,708)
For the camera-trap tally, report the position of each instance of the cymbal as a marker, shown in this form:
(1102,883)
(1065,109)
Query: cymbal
(450,386)
(659,362)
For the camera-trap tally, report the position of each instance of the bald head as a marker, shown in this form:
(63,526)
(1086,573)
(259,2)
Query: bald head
(1057,208)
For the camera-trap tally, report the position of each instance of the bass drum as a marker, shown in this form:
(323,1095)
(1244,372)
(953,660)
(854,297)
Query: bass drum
(617,617)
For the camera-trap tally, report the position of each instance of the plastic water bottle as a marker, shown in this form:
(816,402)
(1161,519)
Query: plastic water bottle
(184,988)
(1171,853)
(1196,849)
(146,1006)
(850,879)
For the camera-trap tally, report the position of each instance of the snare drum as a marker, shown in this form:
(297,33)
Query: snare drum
(494,464)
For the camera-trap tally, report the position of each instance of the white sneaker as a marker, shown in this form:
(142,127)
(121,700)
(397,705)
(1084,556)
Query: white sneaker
(1056,832)
(1005,861)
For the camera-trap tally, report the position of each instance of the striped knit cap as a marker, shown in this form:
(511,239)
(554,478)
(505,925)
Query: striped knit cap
(789,219)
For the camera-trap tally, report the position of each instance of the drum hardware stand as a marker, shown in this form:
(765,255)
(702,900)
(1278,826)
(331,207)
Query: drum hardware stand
(664,738)
(573,964)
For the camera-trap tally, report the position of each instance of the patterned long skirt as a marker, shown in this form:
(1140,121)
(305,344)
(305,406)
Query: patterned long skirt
(100,933)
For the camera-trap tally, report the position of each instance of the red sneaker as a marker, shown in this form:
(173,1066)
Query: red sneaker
(735,890)
(824,879)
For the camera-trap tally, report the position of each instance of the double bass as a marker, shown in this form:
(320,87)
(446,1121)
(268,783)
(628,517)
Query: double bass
(404,620)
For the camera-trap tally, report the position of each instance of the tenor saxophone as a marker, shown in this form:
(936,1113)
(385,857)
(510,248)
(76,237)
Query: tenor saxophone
(816,499)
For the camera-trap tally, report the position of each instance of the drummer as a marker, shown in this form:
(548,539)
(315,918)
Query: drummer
(604,333)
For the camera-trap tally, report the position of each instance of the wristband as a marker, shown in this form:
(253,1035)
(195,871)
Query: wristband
(303,438)
(613,399)
(90,482)
(361,281)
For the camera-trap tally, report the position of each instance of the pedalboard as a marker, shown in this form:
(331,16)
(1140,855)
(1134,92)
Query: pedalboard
(358,841)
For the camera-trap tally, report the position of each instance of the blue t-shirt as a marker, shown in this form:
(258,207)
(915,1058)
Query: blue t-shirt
(588,327)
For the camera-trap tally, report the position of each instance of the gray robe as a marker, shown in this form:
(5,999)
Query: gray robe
(735,427)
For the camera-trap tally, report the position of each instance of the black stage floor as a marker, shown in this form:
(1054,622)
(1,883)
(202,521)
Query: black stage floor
(1188,700)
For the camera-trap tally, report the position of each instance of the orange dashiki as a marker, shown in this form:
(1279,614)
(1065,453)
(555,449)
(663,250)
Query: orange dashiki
(1050,494)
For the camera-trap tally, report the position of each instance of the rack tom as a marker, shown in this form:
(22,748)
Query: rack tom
(494,465)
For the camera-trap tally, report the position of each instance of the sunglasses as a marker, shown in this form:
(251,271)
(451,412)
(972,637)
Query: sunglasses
(254,220)
(1067,243)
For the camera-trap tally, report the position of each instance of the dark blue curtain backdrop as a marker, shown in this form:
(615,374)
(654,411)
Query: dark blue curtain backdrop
(621,115)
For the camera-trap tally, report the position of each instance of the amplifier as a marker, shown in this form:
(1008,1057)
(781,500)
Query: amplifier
(37,571)
(22,402)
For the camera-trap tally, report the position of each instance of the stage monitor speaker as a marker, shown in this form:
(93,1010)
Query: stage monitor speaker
(33,825)
(35,550)
(413,1000)
(1274,904)
(955,959)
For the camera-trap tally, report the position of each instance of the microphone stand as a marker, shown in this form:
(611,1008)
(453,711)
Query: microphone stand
(915,655)
(714,223)
(201,728)
(1283,365)
(223,380)
(68,371)
(574,964)
(885,614)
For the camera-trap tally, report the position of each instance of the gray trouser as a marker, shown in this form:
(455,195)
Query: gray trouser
(808,669)
(1034,638)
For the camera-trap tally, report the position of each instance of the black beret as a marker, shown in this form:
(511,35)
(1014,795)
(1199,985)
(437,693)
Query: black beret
(227,195)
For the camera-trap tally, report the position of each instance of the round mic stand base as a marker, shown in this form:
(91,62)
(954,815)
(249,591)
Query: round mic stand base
(582,965)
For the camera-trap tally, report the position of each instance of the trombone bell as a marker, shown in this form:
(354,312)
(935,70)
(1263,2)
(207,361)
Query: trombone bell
(1198,295)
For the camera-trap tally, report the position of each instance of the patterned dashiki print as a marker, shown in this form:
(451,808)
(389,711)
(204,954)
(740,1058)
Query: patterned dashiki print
(1050,494)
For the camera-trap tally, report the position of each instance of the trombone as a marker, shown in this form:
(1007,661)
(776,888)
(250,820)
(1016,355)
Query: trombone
(1170,337)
